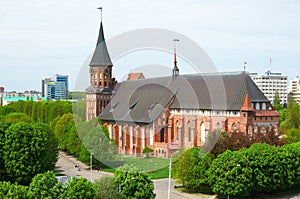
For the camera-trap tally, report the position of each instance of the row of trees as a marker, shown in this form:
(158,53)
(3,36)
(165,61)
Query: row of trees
(127,183)
(256,170)
(289,119)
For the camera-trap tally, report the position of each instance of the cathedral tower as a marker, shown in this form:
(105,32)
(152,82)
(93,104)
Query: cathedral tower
(99,93)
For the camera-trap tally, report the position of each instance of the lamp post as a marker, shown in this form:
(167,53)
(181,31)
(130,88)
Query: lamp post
(91,163)
(170,172)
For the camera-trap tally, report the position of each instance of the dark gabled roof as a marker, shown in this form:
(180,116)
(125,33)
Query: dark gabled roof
(101,55)
(141,101)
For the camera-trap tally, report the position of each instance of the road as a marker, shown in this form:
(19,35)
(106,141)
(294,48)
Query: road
(66,165)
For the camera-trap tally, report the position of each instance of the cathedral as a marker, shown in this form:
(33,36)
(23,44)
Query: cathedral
(173,112)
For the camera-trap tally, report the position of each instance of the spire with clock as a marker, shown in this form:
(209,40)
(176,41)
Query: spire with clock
(99,93)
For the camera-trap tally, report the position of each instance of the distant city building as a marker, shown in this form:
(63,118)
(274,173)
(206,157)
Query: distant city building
(294,89)
(270,83)
(9,99)
(55,88)
(13,96)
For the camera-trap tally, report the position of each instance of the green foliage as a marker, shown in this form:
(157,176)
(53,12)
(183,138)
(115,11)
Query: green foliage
(43,186)
(97,141)
(147,150)
(259,169)
(8,190)
(79,95)
(17,117)
(79,108)
(276,102)
(293,115)
(134,183)
(231,174)
(190,168)
(41,111)
(3,127)
(292,135)
(62,128)
(108,189)
(79,188)
(29,149)
(5,110)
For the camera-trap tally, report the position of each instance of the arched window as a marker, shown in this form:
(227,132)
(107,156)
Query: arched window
(234,128)
(257,107)
(162,135)
(177,131)
(264,106)
(263,130)
(189,131)
(249,130)
(202,133)
(255,130)
(218,126)
(134,135)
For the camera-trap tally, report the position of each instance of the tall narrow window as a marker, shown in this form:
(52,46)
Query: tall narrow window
(177,131)
(162,135)
(189,131)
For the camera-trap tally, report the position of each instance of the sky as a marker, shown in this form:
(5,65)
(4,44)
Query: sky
(41,38)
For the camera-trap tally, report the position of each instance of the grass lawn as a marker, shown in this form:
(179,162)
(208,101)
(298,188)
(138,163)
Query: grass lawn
(156,167)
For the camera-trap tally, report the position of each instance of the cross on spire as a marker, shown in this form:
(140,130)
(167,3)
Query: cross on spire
(175,69)
(100,8)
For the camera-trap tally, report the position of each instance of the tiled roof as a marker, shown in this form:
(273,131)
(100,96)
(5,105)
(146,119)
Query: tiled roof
(143,100)
(264,113)
(134,76)
(101,56)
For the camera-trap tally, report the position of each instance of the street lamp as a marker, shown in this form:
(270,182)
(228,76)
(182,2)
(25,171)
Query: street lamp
(120,186)
(91,163)
(170,172)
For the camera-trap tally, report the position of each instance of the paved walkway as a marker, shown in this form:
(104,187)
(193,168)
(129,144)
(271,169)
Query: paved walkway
(66,165)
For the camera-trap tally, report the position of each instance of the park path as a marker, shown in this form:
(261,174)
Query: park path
(66,165)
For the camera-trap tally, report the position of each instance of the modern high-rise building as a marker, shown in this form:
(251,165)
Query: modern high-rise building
(270,83)
(294,89)
(55,88)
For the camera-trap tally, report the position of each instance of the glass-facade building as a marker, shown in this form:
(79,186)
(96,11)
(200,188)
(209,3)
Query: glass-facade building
(56,88)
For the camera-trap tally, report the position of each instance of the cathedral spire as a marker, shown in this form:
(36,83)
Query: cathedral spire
(101,56)
(175,69)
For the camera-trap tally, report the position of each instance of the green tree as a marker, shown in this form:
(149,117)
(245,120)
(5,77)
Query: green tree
(190,168)
(62,128)
(15,191)
(5,110)
(231,174)
(97,141)
(79,108)
(108,189)
(17,117)
(267,166)
(3,127)
(276,102)
(79,188)
(134,183)
(29,149)
(292,135)
(45,185)
(293,115)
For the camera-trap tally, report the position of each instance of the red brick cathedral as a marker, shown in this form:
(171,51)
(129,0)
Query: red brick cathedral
(173,112)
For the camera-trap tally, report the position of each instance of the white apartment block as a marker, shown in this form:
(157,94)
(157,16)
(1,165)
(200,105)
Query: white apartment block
(270,83)
(294,89)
